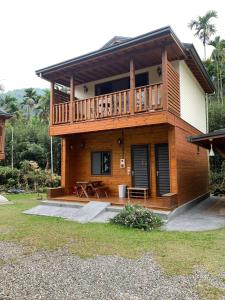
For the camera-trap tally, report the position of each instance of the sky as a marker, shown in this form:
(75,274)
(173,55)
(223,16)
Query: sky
(39,33)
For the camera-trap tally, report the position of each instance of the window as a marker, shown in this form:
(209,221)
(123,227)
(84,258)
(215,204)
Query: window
(101,163)
(120,84)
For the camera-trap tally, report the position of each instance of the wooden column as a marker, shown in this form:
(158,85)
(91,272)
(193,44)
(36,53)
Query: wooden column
(173,160)
(72,90)
(132,87)
(65,163)
(52,102)
(164,79)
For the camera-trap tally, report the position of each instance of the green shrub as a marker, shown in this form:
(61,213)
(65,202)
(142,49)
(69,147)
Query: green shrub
(136,216)
(29,177)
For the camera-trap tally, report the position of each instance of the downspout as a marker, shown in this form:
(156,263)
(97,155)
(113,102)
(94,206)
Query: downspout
(207,112)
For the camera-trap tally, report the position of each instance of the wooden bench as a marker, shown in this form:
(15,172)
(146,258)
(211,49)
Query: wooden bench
(137,192)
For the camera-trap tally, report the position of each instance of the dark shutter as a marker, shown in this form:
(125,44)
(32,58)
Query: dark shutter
(162,169)
(140,166)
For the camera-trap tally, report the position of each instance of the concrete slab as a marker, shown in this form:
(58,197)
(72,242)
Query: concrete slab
(52,211)
(4,200)
(207,215)
(89,211)
(94,210)
(104,217)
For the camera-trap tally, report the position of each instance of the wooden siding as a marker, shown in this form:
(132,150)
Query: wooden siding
(192,166)
(80,158)
(188,169)
(173,85)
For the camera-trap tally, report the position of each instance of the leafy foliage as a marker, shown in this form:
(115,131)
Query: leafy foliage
(203,27)
(136,216)
(27,177)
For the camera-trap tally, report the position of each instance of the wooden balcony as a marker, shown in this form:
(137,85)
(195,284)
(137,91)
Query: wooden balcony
(137,106)
(147,99)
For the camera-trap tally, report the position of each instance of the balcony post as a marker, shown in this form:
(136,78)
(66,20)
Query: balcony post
(72,90)
(52,102)
(165,79)
(132,87)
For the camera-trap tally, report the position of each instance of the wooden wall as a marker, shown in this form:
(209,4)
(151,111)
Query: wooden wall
(80,158)
(192,167)
(188,167)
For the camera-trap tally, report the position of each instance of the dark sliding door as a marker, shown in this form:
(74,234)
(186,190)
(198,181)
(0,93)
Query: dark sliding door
(140,165)
(162,169)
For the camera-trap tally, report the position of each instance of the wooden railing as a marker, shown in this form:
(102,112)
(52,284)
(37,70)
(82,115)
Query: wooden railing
(146,98)
(61,113)
(114,104)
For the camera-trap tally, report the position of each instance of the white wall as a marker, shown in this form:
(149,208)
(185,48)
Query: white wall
(192,99)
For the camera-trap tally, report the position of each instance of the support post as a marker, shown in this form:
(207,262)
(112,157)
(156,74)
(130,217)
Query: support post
(132,87)
(72,90)
(52,102)
(165,79)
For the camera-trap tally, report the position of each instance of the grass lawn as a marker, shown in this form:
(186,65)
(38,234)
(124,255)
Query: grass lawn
(176,252)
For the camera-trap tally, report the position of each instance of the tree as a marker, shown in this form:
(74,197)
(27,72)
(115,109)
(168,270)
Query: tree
(43,106)
(218,61)
(203,28)
(30,99)
(10,104)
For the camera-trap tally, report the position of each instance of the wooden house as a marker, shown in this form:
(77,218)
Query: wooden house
(124,113)
(3,117)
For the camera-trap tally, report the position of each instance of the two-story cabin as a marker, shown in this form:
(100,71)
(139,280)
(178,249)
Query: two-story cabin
(124,113)
(3,117)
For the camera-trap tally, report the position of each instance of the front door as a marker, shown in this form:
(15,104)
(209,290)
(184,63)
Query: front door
(162,169)
(140,165)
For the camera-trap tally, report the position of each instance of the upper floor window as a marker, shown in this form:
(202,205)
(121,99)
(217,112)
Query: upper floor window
(120,84)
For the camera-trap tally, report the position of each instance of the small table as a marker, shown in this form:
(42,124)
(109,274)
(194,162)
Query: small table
(137,192)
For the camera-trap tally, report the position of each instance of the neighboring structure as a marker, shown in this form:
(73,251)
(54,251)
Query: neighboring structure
(3,116)
(213,141)
(131,107)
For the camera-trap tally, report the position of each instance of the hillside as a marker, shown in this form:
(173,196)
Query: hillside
(19,93)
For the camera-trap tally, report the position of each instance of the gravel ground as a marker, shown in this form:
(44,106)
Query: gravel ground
(59,275)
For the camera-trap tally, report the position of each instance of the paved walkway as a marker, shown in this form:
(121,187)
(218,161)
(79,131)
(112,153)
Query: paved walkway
(207,215)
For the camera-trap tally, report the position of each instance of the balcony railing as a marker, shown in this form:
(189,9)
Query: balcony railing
(146,99)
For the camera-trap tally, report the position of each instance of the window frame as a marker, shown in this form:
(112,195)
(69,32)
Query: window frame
(110,162)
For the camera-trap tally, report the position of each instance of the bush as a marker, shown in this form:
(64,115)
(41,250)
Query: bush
(136,216)
(29,177)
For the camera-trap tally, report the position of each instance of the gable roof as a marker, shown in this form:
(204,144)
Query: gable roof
(115,41)
(118,46)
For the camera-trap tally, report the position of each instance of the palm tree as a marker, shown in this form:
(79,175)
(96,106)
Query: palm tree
(203,27)
(218,61)
(30,99)
(43,106)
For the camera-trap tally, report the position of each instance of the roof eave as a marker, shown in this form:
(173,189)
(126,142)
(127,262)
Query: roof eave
(133,41)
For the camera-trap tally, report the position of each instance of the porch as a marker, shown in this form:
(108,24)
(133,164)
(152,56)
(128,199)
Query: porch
(140,157)
(167,202)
